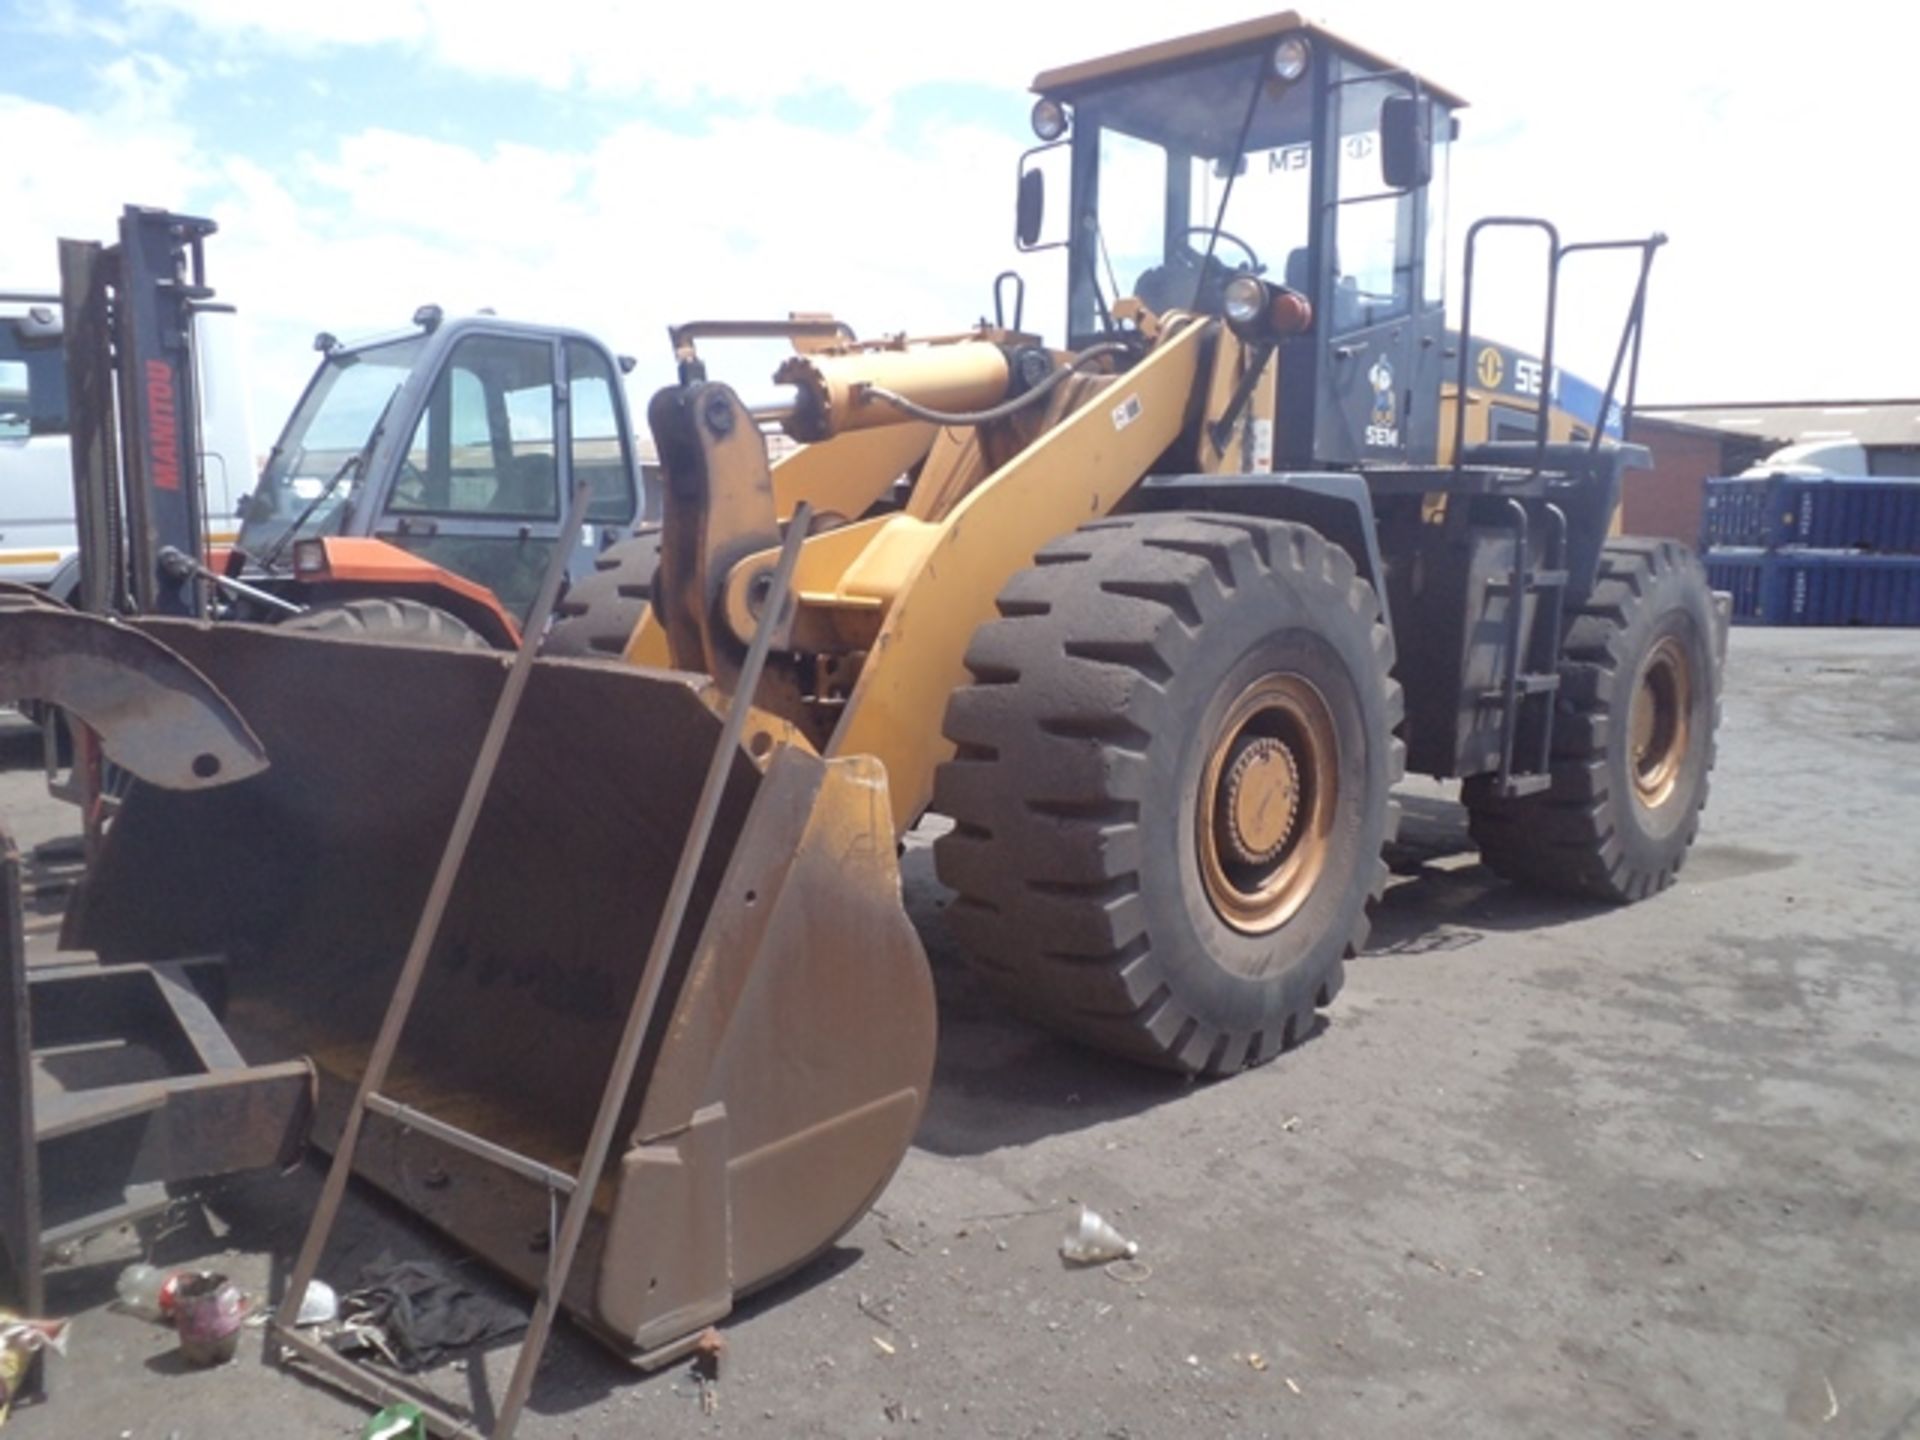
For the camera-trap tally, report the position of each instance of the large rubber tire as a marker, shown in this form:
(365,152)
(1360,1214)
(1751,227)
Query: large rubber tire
(598,615)
(388,618)
(1097,702)
(1594,833)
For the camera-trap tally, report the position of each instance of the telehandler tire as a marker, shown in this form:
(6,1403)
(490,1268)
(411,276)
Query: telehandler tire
(1172,786)
(1633,737)
(598,615)
(388,619)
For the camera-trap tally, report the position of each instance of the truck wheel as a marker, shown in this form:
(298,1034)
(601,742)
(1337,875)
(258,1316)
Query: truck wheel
(1633,737)
(598,615)
(1171,786)
(388,619)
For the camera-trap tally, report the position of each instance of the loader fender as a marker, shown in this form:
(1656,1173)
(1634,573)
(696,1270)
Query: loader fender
(1337,505)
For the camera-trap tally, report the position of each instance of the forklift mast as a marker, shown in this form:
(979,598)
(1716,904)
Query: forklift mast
(139,496)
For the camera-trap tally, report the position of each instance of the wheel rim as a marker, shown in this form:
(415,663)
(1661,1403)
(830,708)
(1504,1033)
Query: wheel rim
(1660,723)
(1268,796)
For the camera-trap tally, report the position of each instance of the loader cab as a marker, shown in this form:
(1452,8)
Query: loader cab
(1275,149)
(457,442)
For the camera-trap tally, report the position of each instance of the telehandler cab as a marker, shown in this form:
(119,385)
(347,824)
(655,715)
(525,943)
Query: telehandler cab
(1159,620)
(414,492)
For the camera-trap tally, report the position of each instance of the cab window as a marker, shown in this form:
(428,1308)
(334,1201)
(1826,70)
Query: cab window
(1373,229)
(33,381)
(600,454)
(485,444)
(15,395)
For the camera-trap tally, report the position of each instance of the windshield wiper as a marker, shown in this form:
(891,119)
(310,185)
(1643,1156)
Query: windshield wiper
(355,463)
(351,463)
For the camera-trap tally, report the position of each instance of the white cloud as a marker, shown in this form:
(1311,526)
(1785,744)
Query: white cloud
(83,165)
(1768,151)
(338,22)
(749,52)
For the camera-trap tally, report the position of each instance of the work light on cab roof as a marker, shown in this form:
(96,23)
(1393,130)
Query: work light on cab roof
(1290,58)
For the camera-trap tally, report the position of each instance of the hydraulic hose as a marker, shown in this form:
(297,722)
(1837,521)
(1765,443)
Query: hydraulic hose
(998,412)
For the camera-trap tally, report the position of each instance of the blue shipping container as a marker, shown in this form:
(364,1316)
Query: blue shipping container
(1817,587)
(1881,516)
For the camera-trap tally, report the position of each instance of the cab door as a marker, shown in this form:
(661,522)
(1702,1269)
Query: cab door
(477,490)
(1382,319)
(482,485)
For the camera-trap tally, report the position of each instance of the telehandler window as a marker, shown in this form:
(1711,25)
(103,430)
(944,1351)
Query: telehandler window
(599,446)
(311,472)
(485,443)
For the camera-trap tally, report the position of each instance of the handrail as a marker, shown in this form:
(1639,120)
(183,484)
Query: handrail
(1626,353)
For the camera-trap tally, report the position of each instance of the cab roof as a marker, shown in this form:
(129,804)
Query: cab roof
(1068,82)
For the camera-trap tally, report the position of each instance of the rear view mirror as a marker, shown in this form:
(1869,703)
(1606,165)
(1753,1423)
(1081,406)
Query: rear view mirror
(1030,229)
(39,325)
(1406,141)
(1033,208)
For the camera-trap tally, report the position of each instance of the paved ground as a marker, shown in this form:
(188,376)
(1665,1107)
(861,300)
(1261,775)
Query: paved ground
(1548,1171)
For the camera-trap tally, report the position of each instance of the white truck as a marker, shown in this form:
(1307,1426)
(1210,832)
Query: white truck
(38,536)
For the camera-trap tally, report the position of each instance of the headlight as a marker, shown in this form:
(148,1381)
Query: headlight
(1290,58)
(1049,119)
(1245,301)
(310,557)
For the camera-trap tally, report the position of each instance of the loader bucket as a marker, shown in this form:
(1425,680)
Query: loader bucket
(792,1048)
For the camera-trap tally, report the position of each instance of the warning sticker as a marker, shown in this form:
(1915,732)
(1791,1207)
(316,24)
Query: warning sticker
(1126,412)
(1261,448)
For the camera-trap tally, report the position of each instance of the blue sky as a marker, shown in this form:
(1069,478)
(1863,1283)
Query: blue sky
(620,167)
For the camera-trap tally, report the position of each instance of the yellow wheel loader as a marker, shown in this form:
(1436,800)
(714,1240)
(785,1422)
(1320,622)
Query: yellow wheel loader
(1156,617)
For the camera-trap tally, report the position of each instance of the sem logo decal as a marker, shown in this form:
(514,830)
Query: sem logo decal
(1492,369)
(1383,430)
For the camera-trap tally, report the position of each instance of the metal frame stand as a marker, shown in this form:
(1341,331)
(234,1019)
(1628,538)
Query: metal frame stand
(19,1155)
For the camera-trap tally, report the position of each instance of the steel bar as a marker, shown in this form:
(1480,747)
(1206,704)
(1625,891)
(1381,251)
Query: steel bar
(175,559)
(409,1118)
(1629,332)
(369,1384)
(20,1216)
(639,1019)
(1516,621)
